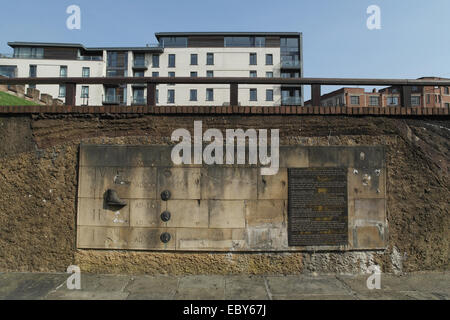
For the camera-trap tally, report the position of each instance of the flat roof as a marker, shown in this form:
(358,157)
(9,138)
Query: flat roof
(152,48)
(228,34)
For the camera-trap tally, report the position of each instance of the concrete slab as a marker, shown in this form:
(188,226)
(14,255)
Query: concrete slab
(87,295)
(321,285)
(29,286)
(201,288)
(245,288)
(152,288)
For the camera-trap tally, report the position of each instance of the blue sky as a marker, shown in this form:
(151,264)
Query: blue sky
(414,40)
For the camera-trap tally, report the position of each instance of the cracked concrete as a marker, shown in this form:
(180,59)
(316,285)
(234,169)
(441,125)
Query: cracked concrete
(52,286)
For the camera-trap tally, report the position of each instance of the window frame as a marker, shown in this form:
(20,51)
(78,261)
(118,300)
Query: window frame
(253,54)
(256,94)
(271,59)
(267,91)
(196,59)
(209,91)
(168,95)
(169,65)
(208,61)
(190,95)
(355,97)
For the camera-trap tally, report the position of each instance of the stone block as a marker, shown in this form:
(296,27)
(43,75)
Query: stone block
(33,93)
(86,178)
(229,183)
(368,237)
(94,212)
(146,238)
(323,157)
(210,239)
(145,213)
(269,213)
(183,183)
(370,211)
(130,183)
(102,237)
(363,157)
(273,187)
(188,213)
(226,214)
(366,183)
(294,157)
(269,238)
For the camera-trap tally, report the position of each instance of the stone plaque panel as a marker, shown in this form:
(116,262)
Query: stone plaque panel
(317,207)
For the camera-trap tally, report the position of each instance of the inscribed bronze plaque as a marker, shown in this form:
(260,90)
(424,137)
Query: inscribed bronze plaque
(317,206)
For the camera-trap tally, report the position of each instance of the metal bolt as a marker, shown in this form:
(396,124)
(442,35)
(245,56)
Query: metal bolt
(165,216)
(165,237)
(165,195)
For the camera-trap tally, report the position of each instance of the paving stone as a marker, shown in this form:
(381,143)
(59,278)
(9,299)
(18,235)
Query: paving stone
(152,288)
(245,288)
(288,285)
(29,286)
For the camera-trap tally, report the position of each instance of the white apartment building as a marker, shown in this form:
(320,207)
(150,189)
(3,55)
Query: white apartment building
(197,54)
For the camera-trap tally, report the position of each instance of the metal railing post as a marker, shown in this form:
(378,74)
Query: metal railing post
(405,96)
(315,95)
(234,94)
(70,94)
(151,94)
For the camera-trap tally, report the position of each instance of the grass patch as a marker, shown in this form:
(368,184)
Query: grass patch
(9,100)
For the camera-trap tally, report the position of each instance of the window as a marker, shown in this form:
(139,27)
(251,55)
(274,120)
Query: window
(193,95)
(62,91)
(63,71)
(86,72)
(157,96)
(171,61)
(85,91)
(194,74)
(446,90)
(8,71)
(253,95)
(269,74)
(155,74)
(447,105)
(174,42)
(138,74)
(194,59)
(415,101)
(210,59)
(139,60)
(253,74)
(155,61)
(269,95)
(33,71)
(209,95)
(210,73)
(428,99)
(171,74)
(392,101)
(269,59)
(171,96)
(373,101)
(27,52)
(253,59)
(245,42)
(354,100)
(138,96)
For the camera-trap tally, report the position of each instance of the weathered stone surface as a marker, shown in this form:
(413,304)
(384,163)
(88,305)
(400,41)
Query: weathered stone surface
(273,187)
(294,157)
(226,214)
(266,213)
(94,212)
(370,211)
(145,213)
(366,183)
(235,183)
(229,239)
(183,183)
(188,213)
(368,237)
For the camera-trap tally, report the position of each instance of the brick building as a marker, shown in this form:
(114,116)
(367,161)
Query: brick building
(428,96)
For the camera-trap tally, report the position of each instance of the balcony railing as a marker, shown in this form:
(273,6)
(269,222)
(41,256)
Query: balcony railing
(23,56)
(290,64)
(404,85)
(140,64)
(291,101)
(141,101)
(113,100)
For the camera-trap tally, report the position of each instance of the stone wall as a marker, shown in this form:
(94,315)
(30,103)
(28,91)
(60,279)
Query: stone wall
(39,183)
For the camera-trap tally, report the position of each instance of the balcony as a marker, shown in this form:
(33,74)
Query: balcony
(140,64)
(291,101)
(139,101)
(113,100)
(24,56)
(290,64)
